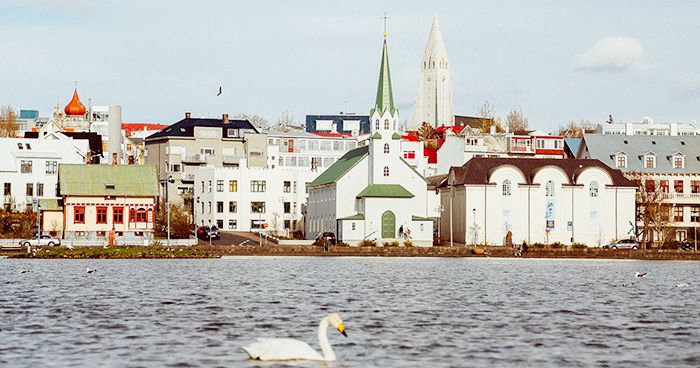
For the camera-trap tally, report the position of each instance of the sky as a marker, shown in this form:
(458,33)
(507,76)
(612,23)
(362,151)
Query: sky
(557,61)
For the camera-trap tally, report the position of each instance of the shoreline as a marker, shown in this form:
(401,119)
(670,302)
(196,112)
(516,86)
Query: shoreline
(207,252)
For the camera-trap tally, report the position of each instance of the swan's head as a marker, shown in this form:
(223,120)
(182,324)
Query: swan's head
(337,322)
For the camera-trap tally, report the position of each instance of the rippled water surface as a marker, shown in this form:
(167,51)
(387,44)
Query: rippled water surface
(398,312)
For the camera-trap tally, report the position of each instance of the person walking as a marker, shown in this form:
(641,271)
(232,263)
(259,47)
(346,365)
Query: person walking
(401,232)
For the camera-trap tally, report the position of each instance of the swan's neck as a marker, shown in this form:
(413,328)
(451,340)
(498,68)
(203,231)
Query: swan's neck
(328,353)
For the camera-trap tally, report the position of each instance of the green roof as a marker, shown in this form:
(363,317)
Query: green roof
(341,167)
(108,180)
(385,190)
(51,204)
(357,216)
(419,218)
(396,136)
(385,96)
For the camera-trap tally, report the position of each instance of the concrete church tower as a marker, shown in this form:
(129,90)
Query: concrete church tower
(385,141)
(434,100)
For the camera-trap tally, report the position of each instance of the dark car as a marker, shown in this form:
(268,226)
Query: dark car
(205,233)
(326,236)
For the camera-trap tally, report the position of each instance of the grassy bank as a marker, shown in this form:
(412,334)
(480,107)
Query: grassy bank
(340,251)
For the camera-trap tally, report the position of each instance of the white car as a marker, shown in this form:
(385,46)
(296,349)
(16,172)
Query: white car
(37,241)
(623,244)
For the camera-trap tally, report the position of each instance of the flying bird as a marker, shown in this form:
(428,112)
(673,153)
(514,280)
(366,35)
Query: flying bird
(641,274)
(24,271)
(220,91)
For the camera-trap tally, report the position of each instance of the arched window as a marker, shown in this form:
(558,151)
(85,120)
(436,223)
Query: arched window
(549,189)
(386,124)
(506,187)
(593,189)
(386,147)
(376,124)
(386,170)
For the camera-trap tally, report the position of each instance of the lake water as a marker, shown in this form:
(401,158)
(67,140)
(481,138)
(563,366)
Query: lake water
(398,312)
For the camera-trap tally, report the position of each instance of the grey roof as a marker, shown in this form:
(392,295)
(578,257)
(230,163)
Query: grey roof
(185,127)
(604,147)
(573,144)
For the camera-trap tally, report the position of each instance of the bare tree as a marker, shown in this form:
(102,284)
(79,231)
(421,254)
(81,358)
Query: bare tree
(487,110)
(8,122)
(285,121)
(426,132)
(574,129)
(259,122)
(652,210)
(516,121)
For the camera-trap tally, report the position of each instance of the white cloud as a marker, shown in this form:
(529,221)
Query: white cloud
(613,54)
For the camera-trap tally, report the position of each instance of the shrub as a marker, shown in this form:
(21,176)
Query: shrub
(537,245)
(156,243)
(557,245)
(394,244)
(368,243)
(579,246)
(343,244)
(408,243)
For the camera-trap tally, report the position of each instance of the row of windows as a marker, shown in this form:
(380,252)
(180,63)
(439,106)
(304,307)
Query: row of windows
(387,125)
(135,215)
(301,145)
(255,207)
(30,189)
(26,167)
(663,185)
(678,161)
(313,162)
(254,224)
(256,186)
(506,188)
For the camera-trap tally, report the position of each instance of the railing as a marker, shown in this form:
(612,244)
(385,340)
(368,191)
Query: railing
(195,158)
(676,196)
(521,149)
(232,159)
(187,177)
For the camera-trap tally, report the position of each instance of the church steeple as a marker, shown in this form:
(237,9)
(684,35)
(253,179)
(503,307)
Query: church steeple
(385,95)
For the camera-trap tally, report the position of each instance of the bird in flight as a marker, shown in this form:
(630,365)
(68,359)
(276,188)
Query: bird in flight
(641,274)
(220,91)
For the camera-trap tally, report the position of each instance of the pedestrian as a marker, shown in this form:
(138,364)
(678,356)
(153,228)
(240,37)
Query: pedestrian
(401,232)
(524,247)
(408,233)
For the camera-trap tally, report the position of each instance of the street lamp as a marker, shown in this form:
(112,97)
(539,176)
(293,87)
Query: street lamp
(475,234)
(439,208)
(169,181)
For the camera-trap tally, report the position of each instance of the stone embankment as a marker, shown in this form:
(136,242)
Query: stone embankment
(340,251)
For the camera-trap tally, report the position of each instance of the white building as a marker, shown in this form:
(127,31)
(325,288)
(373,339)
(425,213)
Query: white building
(29,167)
(538,201)
(246,198)
(647,126)
(372,192)
(434,100)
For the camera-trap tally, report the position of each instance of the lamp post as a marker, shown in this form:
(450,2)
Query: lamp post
(440,208)
(209,233)
(451,195)
(475,234)
(168,181)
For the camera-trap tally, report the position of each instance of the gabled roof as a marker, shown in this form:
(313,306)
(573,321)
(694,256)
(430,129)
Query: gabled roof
(385,191)
(357,216)
(51,204)
(341,167)
(185,127)
(604,146)
(420,218)
(477,171)
(108,180)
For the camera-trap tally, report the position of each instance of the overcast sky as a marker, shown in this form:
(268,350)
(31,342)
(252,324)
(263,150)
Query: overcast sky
(557,60)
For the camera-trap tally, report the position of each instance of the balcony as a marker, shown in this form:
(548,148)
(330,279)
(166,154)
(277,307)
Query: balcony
(521,149)
(680,198)
(232,159)
(186,177)
(195,159)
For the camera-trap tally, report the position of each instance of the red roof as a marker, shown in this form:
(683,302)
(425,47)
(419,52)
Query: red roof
(431,154)
(331,135)
(410,138)
(455,128)
(132,127)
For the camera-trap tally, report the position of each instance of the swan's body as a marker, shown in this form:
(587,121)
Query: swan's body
(682,285)
(629,285)
(291,349)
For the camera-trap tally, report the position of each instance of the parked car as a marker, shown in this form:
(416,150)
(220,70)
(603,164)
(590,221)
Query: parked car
(40,241)
(327,236)
(623,244)
(205,233)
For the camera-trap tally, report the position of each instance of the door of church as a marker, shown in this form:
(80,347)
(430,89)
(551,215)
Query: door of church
(388,225)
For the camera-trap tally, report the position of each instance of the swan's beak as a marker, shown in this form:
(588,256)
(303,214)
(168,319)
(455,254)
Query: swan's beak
(341,329)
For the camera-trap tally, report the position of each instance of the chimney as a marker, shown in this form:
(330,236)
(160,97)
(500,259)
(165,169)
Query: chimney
(188,115)
(225,118)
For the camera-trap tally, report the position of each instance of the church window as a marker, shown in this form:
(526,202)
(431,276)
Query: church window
(386,170)
(506,187)
(386,124)
(386,147)
(593,189)
(376,124)
(549,189)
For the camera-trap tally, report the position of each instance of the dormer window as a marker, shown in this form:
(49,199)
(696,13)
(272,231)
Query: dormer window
(678,161)
(649,161)
(621,160)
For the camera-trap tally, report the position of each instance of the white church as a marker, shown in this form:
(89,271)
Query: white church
(434,99)
(372,192)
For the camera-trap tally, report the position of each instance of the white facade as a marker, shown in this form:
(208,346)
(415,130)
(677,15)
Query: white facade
(29,167)
(434,100)
(544,208)
(647,126)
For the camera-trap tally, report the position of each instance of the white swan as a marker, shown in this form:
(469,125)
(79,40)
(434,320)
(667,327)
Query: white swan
(291,349)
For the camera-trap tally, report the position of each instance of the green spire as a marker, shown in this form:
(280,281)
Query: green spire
(385,96)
